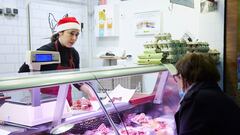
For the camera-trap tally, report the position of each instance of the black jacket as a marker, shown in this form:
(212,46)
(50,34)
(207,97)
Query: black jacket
(64,53)
(206,110)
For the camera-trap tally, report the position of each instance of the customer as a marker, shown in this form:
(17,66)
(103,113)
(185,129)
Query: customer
(204,109)
(66,35)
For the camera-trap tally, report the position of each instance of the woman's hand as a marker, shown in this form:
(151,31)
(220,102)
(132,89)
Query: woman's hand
(88,91)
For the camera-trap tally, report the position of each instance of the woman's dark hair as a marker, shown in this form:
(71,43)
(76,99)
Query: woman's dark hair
(54,37)
(197,67)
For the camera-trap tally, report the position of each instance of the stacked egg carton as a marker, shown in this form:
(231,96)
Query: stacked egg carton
(198,47)
(167,50)
(163,49)
(151,54)
(215,54)
(172,49)
(203,47)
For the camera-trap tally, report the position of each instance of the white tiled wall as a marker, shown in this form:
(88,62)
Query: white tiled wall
(13,36)
(14,41)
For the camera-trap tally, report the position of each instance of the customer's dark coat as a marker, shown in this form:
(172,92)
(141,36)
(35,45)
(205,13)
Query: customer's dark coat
(206,110)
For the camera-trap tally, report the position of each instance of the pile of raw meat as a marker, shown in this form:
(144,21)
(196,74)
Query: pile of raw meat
(82,104)
(140,125)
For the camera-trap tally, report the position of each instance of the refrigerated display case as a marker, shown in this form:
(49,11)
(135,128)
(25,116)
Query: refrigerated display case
(146,103)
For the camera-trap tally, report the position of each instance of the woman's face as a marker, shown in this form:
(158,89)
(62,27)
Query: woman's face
(68,37)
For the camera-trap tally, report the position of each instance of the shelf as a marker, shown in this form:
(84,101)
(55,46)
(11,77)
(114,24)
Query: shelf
(112,57)
(94,114)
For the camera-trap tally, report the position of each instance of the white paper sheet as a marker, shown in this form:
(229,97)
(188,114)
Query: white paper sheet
(120,95)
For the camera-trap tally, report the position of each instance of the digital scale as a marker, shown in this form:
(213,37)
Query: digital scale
(38,108)
(37,58)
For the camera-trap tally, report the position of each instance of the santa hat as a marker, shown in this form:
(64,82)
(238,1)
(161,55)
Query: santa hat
(67,23)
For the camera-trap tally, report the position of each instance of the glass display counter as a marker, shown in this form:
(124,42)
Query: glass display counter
(131,100)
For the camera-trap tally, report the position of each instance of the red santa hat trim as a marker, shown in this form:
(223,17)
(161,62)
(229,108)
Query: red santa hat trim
(67,23)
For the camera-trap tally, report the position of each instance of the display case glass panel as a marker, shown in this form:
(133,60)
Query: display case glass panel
(130,99)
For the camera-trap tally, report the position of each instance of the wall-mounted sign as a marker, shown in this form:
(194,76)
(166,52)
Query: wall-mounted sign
(148,22)
(106,20)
